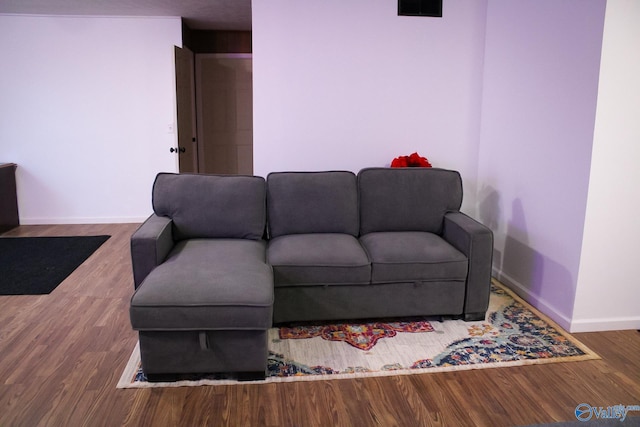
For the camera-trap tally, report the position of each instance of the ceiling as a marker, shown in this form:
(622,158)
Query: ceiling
(198,14)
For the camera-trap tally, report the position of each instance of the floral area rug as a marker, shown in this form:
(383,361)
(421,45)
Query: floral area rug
(513,334)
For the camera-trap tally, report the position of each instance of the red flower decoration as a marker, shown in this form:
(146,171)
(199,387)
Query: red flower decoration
(413,161)
(400,162)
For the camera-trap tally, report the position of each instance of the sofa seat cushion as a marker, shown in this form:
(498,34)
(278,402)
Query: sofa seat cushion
(207,284)
(318,259)
(404,256)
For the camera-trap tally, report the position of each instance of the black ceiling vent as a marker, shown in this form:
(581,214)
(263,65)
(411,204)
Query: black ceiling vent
(420,8)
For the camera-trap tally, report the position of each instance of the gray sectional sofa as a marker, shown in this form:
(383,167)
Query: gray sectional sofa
(224,257)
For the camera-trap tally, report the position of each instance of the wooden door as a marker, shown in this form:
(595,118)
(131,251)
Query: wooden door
(186,105)
(225,113)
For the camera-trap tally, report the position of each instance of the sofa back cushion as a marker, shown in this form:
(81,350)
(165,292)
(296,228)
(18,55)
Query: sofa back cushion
(312,202)
(212,206)
(407,199)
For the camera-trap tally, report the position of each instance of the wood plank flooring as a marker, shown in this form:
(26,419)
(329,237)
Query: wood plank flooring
(62,354)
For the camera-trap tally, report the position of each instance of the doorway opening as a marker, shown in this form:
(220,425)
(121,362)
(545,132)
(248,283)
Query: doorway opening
(224,108)
(214,95)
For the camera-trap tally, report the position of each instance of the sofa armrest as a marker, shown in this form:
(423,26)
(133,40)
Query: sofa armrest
(150,245)
(475,241)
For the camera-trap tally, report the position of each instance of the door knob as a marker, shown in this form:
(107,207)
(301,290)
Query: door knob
(176,150)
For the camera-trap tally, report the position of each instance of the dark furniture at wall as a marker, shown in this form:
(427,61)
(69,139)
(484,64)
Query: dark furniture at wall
(8,198)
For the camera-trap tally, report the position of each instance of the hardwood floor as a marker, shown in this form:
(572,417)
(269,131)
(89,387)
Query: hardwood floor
(62,354)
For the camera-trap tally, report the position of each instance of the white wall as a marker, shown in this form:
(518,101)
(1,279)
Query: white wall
(538,113)
(84,109)
(349,84)
(608,293)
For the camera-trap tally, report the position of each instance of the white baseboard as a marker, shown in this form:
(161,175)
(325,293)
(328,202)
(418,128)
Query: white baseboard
(80,220)
(541,304)
(610,324)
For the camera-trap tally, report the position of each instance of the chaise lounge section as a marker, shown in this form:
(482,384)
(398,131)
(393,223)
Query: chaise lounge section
(204,293)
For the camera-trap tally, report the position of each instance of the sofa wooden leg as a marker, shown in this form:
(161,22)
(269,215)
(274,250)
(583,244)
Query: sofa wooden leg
(251,376)
(474,317)
(165,378)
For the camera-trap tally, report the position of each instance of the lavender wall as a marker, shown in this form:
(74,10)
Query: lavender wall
(349,84)
(505,91)
(540,86)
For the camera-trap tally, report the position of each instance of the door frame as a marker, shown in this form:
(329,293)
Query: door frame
(186,125)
